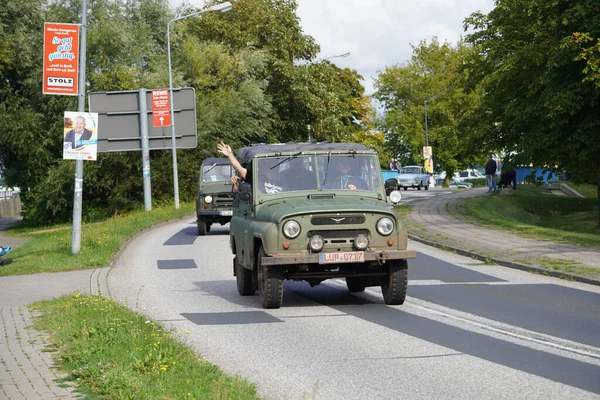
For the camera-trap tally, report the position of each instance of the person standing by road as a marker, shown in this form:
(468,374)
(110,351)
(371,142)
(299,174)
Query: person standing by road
(490,174)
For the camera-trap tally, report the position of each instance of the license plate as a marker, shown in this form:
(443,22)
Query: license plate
(226,213)
(342,257)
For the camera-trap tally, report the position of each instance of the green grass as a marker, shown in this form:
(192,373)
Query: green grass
(541,215)
(110,352)
(51,251)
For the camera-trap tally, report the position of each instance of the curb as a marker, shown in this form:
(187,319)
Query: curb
(504,263)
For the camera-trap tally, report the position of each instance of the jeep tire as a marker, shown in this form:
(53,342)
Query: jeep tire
(356,284)
(243,278)
(201,226)
(270,283)
(395,284)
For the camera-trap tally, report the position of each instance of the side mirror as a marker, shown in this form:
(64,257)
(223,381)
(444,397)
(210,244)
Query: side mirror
(390,185)
(395,197)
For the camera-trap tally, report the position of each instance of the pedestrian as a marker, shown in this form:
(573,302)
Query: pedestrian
(397,166)
(490,174)
(392,164)
(3,251)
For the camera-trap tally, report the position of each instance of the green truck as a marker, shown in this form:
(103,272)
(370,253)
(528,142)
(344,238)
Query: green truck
(214,200)
(316,211)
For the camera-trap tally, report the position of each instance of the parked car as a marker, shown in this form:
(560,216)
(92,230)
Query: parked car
(454,183)
(413,176)
(468,174)
(213,203)
(316,211)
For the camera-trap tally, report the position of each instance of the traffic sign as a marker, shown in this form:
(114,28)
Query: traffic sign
(161,111)
(119,121)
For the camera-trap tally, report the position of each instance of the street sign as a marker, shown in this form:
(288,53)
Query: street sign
(61,58)
(119,121)
(161,111)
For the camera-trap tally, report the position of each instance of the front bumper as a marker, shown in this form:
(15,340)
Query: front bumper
(216,213)
(380,256)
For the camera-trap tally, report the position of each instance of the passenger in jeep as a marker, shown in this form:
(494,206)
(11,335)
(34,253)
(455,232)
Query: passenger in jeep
(268,177)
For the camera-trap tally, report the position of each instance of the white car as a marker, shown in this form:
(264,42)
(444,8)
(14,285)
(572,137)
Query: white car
(468,174)
(413,176)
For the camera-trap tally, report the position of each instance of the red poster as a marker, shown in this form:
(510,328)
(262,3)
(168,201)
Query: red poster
(61,58)
(161,111)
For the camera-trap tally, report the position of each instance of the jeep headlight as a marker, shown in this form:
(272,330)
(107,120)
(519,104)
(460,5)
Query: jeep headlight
(385,226)
(208,199)
(316,243)
(291,229)
(361,241)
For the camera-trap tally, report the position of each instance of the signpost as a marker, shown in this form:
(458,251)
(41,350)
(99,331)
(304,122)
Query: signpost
(124,123)
(161,109)
(61,57)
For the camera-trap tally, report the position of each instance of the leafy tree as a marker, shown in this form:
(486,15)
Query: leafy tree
(537,71)
(434,74)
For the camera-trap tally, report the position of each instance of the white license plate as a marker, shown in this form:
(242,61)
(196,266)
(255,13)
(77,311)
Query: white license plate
(342,257)
(226,213)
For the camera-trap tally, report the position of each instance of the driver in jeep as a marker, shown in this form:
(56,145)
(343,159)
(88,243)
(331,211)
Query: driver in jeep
(342,176)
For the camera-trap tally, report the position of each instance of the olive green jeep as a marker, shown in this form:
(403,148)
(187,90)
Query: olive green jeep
(314,212)
(213,203)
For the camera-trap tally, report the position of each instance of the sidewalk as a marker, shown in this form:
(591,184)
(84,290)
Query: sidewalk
(438,222)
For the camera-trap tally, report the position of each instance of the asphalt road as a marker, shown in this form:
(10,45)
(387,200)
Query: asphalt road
(467,330)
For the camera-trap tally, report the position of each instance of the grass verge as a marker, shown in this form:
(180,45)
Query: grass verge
(535,213)
(50,251)
(110,352)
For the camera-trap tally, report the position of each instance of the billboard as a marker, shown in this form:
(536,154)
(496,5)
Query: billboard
(61,59)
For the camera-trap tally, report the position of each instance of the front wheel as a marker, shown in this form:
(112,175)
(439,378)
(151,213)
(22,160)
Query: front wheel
(243,278)
(270,283)
(395,285)
(201,226)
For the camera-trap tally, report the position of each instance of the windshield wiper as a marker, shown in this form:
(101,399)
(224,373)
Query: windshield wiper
(327,168)
(285,159)
(210,169)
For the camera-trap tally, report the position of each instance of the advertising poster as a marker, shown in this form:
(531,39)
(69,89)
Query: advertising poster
(80,136)
(61,58)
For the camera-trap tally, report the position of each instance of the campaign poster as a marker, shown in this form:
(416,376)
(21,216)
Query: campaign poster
(80,136)
(61,59)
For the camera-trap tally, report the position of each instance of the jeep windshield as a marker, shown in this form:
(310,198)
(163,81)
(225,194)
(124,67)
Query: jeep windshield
(318,172)
(216,172)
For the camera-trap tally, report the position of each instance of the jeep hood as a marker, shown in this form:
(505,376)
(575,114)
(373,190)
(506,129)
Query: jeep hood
(276,210)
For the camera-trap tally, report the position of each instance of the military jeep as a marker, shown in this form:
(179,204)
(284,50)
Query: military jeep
(315,212)
(213,203)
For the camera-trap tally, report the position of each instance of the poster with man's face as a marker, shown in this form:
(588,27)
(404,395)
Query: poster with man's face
(80,136)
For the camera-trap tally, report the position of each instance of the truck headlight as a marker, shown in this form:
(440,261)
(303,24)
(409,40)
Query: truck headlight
(385,226)
(291,229)
(208,199)
(316,243)
(361,241)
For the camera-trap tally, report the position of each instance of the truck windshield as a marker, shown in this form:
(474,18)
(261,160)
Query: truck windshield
(216,172)
(314,172)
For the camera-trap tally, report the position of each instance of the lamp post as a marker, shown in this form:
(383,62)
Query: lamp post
(223,7)
(343,55)
(425,107)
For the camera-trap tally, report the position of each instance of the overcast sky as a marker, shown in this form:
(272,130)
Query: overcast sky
(378,33)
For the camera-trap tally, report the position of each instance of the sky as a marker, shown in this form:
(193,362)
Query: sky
(379,33)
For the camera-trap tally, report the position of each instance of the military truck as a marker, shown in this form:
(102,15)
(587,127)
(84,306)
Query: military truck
(316,211)
(213,203)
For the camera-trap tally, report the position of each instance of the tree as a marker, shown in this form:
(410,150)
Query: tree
(434,73)
(541,98)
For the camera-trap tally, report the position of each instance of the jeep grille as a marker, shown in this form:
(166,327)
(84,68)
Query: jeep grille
(223,199)
(338,220)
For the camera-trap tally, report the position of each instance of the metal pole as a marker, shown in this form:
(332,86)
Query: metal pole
(426,131)
(173,143)
(77,200)
(145,149)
